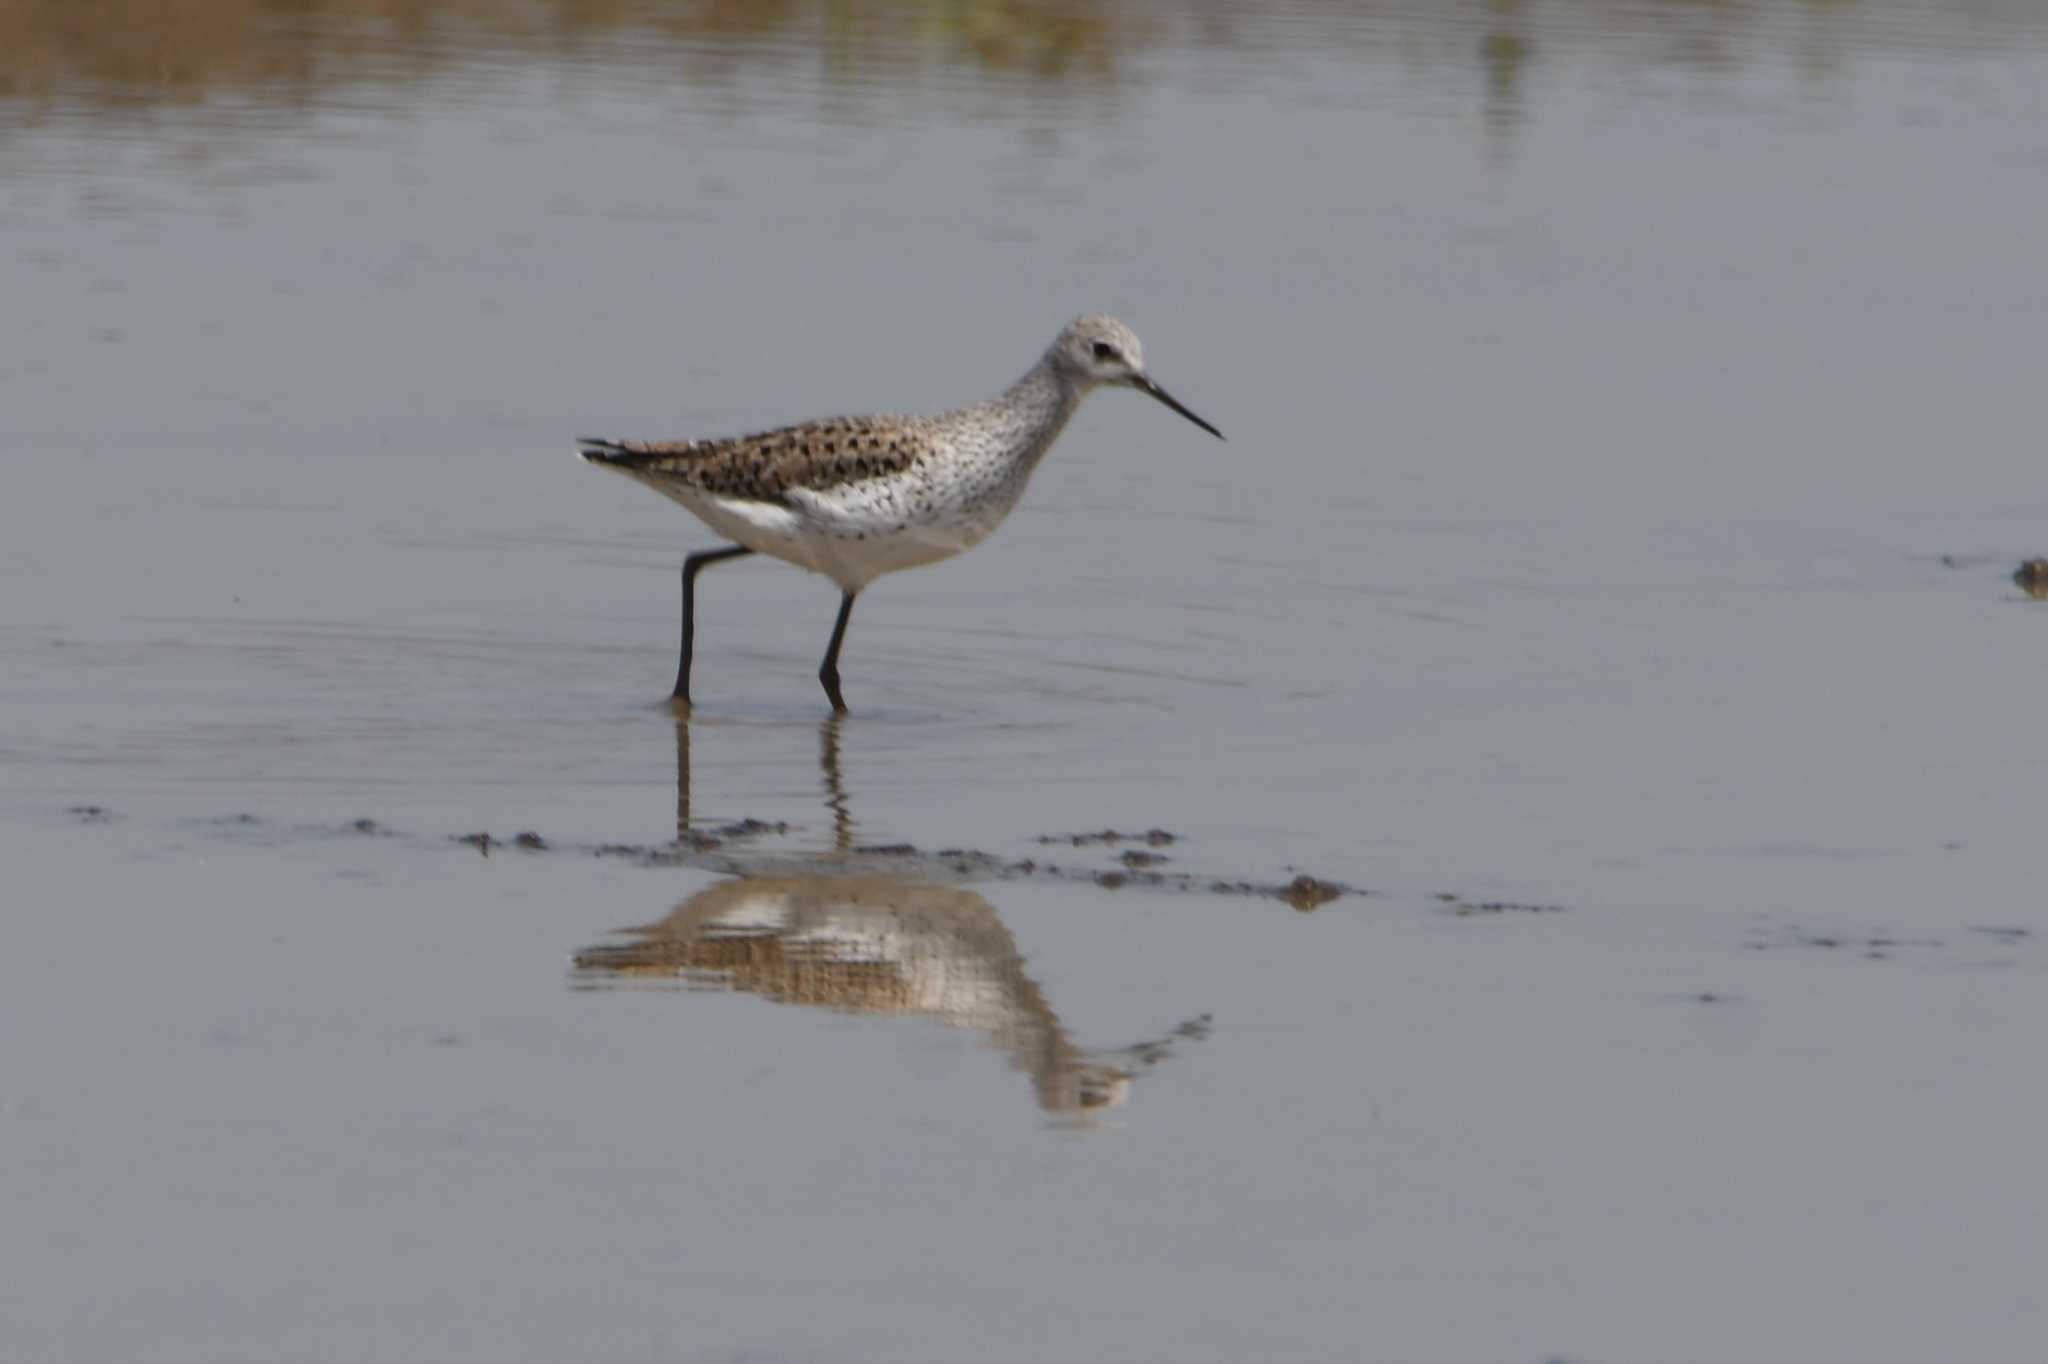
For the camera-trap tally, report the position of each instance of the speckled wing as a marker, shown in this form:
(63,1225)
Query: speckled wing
(764,467)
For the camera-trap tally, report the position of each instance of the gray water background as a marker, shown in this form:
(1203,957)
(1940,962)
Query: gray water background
(1633,416)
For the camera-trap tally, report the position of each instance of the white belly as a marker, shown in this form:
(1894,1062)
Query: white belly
(851,540)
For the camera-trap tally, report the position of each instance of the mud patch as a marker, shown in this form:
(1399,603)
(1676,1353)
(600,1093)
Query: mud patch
(1459,906)
(715,852)
(1874,947)
(2003,933)
(526,841)
(1153,838)
(752,847)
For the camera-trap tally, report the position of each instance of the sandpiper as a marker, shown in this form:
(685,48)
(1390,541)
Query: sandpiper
(856,497)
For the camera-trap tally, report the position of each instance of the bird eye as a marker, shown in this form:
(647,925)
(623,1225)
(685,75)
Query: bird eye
(1105,351)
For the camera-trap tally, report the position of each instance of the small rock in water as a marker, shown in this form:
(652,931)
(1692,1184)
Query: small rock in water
(1306,893)
(2032,577)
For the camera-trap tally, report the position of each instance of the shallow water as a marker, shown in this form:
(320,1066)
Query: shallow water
(1633,430)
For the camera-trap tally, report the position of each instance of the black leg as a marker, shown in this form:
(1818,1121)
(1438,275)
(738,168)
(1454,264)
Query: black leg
(828,672)
(690,567)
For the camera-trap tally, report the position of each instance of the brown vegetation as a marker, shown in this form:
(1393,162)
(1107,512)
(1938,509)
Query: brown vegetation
(122,56)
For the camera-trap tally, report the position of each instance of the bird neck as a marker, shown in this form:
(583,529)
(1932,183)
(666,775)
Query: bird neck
(1036,408)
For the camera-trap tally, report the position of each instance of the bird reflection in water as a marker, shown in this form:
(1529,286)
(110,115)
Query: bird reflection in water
(840,931)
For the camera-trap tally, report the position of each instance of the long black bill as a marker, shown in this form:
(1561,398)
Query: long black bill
(1145,385)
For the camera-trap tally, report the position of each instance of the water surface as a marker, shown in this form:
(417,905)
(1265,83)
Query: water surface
(1633,428)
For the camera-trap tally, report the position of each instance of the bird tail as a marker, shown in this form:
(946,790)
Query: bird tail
(597,450)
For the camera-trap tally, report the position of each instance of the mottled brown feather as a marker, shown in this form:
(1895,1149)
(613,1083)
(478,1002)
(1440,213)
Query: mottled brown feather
(762,467)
